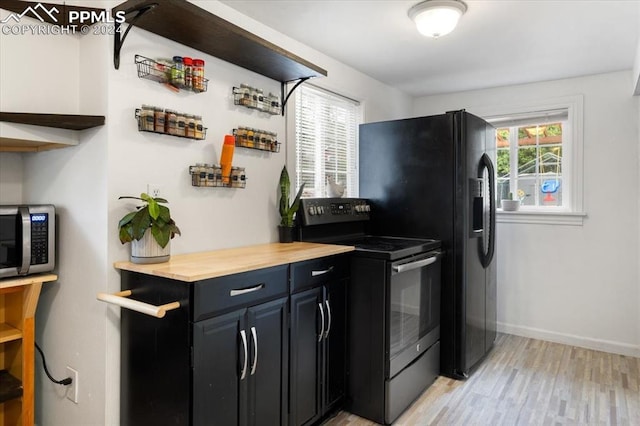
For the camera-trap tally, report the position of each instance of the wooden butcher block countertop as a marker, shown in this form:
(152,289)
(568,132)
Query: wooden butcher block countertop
(212,264)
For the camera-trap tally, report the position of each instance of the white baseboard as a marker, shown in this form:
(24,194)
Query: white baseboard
(570,339)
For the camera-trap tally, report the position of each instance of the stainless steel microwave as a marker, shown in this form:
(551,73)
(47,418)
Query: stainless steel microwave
(27,239)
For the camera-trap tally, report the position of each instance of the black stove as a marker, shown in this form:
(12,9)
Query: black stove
(393,306)
(344,221)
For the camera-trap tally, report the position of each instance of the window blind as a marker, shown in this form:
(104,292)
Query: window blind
(326,141)
(530,118)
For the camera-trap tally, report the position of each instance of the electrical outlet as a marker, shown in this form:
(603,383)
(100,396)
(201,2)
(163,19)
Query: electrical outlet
(153,189)
(72,389)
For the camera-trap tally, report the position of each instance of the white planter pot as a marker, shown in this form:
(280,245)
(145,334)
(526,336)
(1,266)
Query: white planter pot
(147,250)
(510,205)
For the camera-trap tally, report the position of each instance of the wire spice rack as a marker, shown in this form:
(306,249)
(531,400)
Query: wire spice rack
(163,72)
(173,123)
(253,98)
(261,140)
(207,175)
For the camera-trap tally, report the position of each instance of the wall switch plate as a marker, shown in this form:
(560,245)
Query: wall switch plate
(72,389)
(154,190)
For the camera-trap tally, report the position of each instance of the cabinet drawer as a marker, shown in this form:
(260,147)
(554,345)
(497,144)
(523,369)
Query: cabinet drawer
(310,273)
(218,295)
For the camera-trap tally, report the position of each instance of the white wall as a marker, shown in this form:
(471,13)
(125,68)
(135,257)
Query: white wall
(84,182)
(574,284)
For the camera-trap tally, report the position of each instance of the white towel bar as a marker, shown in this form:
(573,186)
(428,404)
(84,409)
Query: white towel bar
(121,299)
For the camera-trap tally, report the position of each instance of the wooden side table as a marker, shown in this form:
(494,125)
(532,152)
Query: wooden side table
(18,302)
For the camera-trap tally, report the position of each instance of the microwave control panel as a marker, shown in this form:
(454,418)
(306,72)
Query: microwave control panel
(39,238)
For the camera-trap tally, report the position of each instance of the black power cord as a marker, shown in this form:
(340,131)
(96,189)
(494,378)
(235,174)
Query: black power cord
(65,382)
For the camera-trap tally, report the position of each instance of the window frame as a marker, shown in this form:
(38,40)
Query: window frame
(572,213)
(290,146)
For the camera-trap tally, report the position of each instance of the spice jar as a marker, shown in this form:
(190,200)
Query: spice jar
(199,131)
(146,118)
(188,71)
(158,123)
(198,75)
(245,94)
(250,137)
(190,128)
(275,104)
(171,122)
(182,124)
(237,177)
(217,175)
(177,71)
(260,104)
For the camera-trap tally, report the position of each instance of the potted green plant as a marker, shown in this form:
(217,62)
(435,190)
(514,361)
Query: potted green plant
(149,229)
(287,209)
(510,204)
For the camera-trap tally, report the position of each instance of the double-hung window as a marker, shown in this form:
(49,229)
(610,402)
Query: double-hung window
(326,135)
(539,161)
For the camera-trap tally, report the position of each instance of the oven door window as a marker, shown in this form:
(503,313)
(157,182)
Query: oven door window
(10,241)
(415,302)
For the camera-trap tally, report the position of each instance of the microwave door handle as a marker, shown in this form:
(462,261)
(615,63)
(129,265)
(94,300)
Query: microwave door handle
(25,217)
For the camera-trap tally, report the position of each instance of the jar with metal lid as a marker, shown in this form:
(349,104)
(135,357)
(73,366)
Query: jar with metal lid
(217,175)
(261,105)
(237,177)
(171,122)
(250,136)
(177,71)
(198,75)
(199,131)
(182,124)
(190,127)
(146,118)
(259,138)
(196,174)
(158,123)
(275,104)
(241,136)
(254,97)
(245,95)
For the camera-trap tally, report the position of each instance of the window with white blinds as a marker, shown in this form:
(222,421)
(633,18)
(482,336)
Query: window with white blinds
(326,143)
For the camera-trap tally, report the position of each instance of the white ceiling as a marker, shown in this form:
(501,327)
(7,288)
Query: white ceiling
(496,43)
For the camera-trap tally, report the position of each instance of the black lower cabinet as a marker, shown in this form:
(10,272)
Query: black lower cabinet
(240,360)
(317,345)
(265,347)
(222,358)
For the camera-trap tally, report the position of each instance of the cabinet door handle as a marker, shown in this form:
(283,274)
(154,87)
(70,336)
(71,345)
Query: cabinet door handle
(326,333)
(325,271)
(238,292)
(243,374)
(254,333)
(321,322)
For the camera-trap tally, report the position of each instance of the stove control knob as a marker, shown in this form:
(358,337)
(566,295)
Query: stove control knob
(312,210)
(320,209)
(367,208)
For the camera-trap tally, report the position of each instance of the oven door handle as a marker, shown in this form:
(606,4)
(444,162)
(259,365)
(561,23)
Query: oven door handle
(417,264)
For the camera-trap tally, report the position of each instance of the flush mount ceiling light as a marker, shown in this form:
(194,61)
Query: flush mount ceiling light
(435,18)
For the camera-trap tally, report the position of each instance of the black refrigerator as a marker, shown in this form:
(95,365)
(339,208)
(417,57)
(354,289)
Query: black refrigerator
(433,177)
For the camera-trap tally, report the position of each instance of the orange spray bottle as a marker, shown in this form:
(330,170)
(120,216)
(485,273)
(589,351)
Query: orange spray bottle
(226,158)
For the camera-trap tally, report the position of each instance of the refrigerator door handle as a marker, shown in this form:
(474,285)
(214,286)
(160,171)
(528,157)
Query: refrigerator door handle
(486,258)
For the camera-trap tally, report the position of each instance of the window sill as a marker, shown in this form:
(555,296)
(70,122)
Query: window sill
(543,218)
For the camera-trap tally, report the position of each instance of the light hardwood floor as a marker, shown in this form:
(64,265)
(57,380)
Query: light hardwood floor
(530,382)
